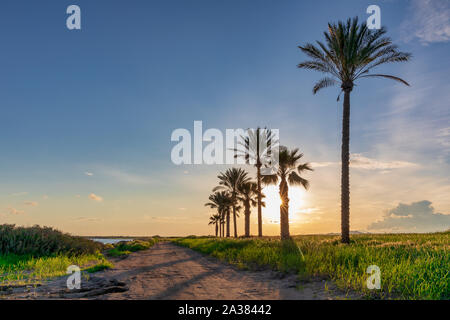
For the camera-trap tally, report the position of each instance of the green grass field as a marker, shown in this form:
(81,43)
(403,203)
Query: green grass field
(413,266)
(32,254)
(27,269)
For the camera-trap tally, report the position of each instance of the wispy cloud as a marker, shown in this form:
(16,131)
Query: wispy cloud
(165,219)
(323,164)
(95,197)
(443,138)
(90,174)
(12,210)
(18,194)
(428,21)
(87,219)
(125,177)
(417,216)
(416,125)
(357,160)
(31,203)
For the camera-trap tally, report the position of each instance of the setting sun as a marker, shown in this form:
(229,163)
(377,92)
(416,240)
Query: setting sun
(271,213)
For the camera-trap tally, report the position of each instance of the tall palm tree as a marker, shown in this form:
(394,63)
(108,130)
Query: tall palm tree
(248,195)
(230,181)
(222,202)
(289,172)
(350,53)
(257,146)
(215,219)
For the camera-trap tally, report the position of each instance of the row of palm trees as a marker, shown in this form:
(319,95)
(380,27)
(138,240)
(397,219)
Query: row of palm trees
(237,191)
(350,52)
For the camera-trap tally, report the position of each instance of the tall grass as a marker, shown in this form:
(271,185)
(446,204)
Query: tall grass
(413,266)
(31,254)
(42,241)
(16,269)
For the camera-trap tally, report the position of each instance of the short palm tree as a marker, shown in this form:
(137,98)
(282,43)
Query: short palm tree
(215,219)
(230,181)
(248,195)
(257,146)
(350,53)
(289,172)
(222,202)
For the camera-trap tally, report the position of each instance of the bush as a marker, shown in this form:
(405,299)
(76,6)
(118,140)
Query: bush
(123,248)
(43,241)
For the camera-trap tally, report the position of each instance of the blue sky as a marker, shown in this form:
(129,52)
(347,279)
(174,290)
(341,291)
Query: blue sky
(104,100)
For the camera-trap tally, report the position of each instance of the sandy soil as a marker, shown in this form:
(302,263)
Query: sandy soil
(167,271)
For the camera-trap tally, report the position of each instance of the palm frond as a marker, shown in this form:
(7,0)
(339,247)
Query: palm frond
(386,76)
(304,166)
(295,179)
(324,83)
(269,179)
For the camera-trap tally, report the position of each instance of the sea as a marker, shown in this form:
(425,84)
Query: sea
(110,241)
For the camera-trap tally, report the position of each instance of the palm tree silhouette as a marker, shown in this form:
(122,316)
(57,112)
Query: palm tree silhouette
(289,171)
(215,219)
(248,195)
(350,53)
(230,181)
(222,202)
(257,148)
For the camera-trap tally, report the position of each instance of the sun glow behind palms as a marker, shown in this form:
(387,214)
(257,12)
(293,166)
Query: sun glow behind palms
(271,213)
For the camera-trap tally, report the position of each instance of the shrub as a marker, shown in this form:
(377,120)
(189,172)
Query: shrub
(43,241)
(123,248)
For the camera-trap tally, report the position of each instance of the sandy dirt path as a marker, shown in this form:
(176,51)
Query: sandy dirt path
(167,271)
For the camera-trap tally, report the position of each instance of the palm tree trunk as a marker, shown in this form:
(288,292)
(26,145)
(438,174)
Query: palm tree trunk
(222,224)
(247,220)
(284,210)
(258,178)
(217,228)
(345,178)
(234,222)
(228,223)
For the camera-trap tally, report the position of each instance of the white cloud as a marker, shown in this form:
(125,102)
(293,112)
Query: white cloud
(428,21)
(322,164)
(95,197)
(415,217)
(357,160)
(31,203)
(90,174)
